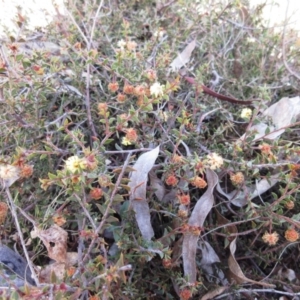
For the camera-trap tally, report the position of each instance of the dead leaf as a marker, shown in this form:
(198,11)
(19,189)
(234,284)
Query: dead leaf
(157,186)
(240,198)
(263,185)
(209,264)
(235,271)
(138,184)
(55,240)
(198,216)
(212,294)
(31,47)
(184,57)
(57,268)
(282,114)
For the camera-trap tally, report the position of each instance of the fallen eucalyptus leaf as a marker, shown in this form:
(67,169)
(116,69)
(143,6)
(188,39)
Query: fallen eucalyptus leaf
(212,294)
(240,198)
(197,218)
(184,57)
(16,265)
(210,264)
(235,272)
(138,184)
(282,114)
(157,186)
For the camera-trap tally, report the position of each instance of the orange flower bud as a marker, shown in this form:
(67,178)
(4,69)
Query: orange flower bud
(184,199)
(26,171)
(237,178)
(121,98)
(185,294)
(3,212)
(113,87)
(171,180)
(198,182)
(128,89)
(96,193)
(291,235)
(289,205)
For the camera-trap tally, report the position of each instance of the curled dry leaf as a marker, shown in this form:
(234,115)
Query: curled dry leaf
(184,57)
(58,268)
(198,216)
(235,272)
(138,184)
(55,240)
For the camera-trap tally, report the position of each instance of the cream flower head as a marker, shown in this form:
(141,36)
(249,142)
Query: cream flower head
(214,161)
(246,113)
(74,164)
(9,174)
(156,89)
(121,44)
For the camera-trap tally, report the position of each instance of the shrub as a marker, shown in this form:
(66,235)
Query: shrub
(121,165)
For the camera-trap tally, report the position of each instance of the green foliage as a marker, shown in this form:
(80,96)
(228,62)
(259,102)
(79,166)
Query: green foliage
(78,109)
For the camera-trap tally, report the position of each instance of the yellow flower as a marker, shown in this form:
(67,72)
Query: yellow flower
(156,89)
(270,238)
(214,161)
(74,164)
(59,220)
(246,113)
(9,172)
(126,141)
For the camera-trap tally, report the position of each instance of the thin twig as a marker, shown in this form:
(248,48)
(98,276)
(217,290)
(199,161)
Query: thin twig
(127,151)
(85,210)
(106,213)
(258,291)
(283,45)
(94,24)
(103,275)
(88,102)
